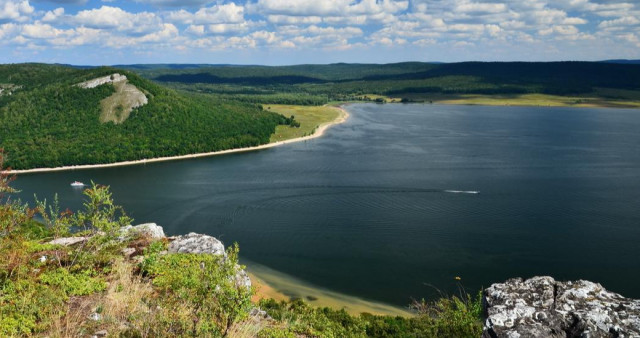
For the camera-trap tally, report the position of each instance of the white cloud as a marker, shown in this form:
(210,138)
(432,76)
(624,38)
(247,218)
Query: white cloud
(167,32)
(327,7)
(53,15)
(293,20)
(40,31)
(195,29)
(228,13)
(176,3)
(7,30)
(228,28)
(481,7)
(623,21)
(610,9)
(15,10)
(574,21)
(107,17)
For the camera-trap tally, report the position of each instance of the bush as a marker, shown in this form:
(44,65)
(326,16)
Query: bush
(76,284)
(302,319)
(206,285)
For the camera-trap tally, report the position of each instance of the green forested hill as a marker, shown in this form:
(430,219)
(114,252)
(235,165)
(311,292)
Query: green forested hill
(47,121)
(317,84)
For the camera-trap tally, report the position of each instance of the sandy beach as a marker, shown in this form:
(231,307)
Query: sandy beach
(270,283)
(318,133)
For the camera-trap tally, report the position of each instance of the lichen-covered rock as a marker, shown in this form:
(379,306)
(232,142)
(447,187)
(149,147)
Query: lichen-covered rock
(197,243)
(151,229)
(544,307)
(242,278)
(115,77)
(204,244)
(128,252)
(68,241)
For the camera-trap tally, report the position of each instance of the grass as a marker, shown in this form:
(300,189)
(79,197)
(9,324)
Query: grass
(310,118)
(601,97)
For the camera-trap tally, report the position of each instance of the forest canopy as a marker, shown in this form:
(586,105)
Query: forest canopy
(48,121)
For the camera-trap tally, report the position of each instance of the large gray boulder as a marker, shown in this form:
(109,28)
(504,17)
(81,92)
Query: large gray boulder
(204,244)
(150,229)
(198,244)
(544,307)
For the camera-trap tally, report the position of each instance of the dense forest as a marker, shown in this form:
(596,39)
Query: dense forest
(319,84)
(48,121)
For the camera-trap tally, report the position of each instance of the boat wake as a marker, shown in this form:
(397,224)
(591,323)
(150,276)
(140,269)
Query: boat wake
(462,191)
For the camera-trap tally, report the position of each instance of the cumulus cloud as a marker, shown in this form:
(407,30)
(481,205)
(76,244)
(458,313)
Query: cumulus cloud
(53,15)
(63,2)
(327,7)
(293,20)
(228,13)
(481,7)
(623,21)
(176,3)
(114,18)
(6,30)
(15,10)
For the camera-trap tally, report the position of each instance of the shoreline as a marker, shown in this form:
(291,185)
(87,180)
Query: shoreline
(318,132)
(276,285)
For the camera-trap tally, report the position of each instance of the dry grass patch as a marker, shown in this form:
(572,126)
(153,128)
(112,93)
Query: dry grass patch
(126,294)
(74,322)
(310,118)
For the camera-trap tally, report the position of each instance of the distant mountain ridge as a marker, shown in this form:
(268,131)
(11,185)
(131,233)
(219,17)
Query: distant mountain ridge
(622,61)
(345,81)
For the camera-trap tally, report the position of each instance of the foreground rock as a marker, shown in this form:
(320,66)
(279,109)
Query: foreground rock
(68,241)
(544,307)
(152,230)
(197,244)
(204,244)
(191,243)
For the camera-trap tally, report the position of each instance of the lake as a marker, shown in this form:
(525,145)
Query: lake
(400,199)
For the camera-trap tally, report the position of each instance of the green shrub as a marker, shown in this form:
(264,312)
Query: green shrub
(206,285)
(76,284)
(452,316)
(27,306)
(303,319)
(445,317)
(276,332)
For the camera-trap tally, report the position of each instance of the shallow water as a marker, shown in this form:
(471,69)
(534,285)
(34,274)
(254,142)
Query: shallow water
(399,200)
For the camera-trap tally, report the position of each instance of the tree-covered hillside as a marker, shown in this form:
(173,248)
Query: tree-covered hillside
(48,121)
(318,84)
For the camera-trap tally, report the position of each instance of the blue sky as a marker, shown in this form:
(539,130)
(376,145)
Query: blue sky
(276,32)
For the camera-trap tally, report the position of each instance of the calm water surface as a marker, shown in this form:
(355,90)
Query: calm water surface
(377,207)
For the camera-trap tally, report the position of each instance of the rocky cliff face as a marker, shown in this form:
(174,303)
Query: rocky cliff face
(117,107)
(544,307)
(115,77)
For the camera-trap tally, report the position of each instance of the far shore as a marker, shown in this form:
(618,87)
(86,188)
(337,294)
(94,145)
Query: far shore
(319,131)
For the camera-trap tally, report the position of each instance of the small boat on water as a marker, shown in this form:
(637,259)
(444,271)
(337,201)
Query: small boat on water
(77,184)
